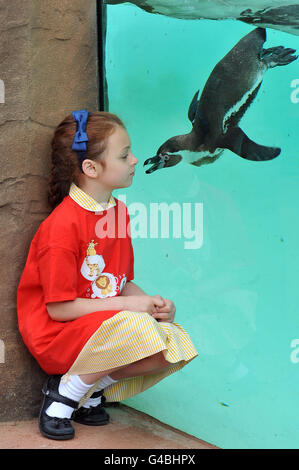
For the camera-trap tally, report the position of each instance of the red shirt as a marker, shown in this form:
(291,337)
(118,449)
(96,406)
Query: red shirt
(75,252)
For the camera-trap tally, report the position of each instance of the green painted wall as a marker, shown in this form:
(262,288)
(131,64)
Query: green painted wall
(236,294)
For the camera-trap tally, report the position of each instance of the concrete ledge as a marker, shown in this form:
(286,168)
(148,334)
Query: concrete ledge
(128,429)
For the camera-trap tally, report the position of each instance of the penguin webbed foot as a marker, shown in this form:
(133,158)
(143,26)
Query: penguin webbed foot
(161,161)
(278,56)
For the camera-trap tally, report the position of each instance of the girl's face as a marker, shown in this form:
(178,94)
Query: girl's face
(119,161)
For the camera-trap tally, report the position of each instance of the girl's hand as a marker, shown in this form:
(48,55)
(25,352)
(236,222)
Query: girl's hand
(165,313)
(144,303)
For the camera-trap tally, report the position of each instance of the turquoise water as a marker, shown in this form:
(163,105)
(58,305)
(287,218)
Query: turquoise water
(236,290)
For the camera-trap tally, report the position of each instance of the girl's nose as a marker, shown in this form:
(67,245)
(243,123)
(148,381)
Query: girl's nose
(135,160)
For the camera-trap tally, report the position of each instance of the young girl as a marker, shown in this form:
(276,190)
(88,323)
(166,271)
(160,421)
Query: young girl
(88,325)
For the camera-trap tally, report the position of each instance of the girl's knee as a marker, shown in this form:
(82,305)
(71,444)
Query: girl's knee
(161,361)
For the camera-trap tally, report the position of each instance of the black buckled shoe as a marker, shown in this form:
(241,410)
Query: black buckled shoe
(55,428)
(93,416)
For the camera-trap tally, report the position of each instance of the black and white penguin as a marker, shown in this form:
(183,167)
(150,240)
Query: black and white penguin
(229,91)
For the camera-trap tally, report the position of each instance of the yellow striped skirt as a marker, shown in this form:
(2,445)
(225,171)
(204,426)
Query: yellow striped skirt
(129,337)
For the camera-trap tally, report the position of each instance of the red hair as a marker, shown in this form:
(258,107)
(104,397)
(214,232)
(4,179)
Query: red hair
(65,165)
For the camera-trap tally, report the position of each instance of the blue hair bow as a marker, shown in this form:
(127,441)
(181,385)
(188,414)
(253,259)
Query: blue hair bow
(81,137)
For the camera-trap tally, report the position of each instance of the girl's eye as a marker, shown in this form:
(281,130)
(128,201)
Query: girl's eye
(125,156)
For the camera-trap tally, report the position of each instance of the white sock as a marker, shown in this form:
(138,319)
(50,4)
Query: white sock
(103,383)
(75,389)
(92,402)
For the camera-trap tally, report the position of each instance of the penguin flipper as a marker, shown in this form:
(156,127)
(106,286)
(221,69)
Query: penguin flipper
(237,141)
(193,107)
(200,123)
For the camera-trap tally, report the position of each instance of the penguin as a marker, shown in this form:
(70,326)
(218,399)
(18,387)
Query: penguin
(229,91)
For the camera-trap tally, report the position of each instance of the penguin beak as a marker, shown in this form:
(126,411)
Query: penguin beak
(162,161)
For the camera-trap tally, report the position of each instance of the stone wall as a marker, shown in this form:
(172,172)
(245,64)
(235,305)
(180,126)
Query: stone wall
(48,67)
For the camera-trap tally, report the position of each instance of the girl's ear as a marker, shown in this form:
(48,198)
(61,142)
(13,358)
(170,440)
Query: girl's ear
(90,168)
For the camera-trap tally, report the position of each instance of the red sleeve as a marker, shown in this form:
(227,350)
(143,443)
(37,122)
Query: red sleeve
(58,273)
(57,255)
